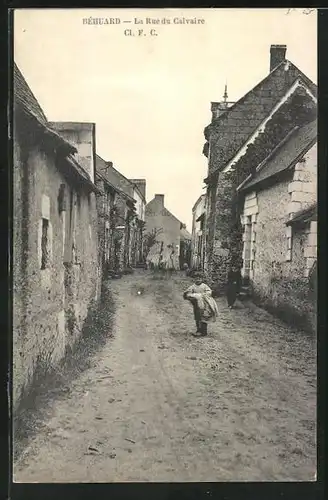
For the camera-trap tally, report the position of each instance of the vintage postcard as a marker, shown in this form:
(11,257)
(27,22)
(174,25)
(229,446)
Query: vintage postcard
(164,245)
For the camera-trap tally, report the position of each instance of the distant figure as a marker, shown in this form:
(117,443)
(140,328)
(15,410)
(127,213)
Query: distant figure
(233,285)
(185,267)
(205,308)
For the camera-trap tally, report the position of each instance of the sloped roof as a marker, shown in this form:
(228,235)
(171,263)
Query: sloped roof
(141,189)
(114,188)
(233,128)
(112,176)
(285,155)
(164,211)
(307,214)
(25,96)
(201,197)
(81,173)
(169,214)
(184,234)
(260,87)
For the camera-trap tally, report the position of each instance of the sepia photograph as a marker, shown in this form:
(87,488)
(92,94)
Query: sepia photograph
(164,168)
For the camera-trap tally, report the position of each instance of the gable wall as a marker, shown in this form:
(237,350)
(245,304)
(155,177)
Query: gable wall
(233,130)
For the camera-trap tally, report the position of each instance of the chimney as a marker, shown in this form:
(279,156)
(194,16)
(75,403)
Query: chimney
(277,55)
(160,199)
(82,136)
(141,185)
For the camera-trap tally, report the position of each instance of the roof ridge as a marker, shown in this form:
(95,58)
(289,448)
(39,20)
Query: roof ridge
(109,164)
(298,81)
(293,131)
(172,215)
(247,93)
(18,75)
(277,147)
(306,79)
(120,173)
(302,75)
(252,180)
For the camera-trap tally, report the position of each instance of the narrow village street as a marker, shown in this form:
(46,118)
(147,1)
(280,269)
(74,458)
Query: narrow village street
(160,405)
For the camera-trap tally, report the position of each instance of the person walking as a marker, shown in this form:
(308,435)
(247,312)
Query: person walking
(204,306)
(233,285)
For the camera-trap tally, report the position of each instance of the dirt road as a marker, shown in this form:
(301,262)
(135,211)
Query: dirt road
(160,405)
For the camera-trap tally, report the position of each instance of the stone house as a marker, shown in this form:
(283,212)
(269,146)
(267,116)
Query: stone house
(55,264)
(116,205)
(139,195)
(280,230)
(165,229)
(127,217)
(106,200)
(236,143)
(197,234)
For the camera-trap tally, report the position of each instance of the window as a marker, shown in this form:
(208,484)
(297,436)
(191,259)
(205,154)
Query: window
(45,244)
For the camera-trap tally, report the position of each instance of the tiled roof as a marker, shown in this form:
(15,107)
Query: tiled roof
(164,211)
(81,173)
(25,96)
(167,213)
(114,178)
(290,150)
(233,128)
(305,215)
(184,234)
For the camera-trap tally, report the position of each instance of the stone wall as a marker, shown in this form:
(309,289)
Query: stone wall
(230,132)
(197,235)
(138,223)
(303,188)
(277,258)
(120,234)
(223,230)
(107,221)
(82,136)
(55,262)
(20,248)
(249,223)
(271,238)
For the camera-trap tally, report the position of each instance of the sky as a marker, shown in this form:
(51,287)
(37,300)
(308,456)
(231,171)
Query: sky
(150,95)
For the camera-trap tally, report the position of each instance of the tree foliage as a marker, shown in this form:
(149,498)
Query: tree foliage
(150,239)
